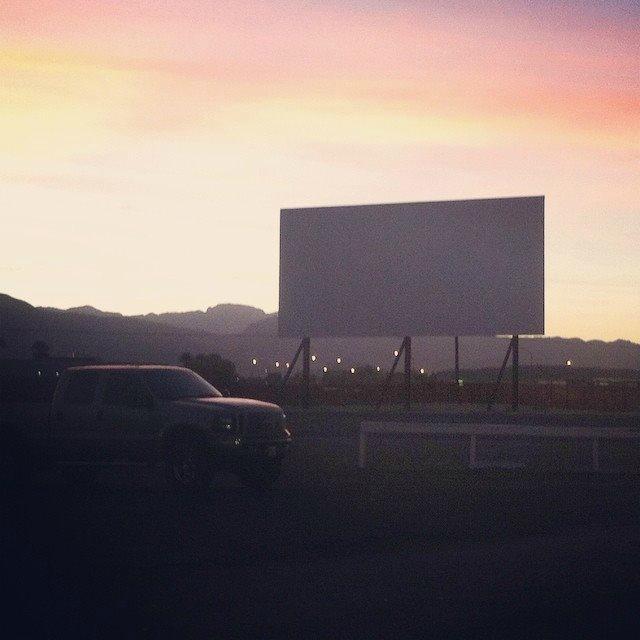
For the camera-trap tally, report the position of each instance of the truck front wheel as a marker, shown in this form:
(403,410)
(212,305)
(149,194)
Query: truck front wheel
(261,475)
(186,466)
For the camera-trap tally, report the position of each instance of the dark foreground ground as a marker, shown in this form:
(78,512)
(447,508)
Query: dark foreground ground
(331,552)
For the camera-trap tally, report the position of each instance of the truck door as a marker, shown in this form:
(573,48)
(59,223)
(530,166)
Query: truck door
(128,433)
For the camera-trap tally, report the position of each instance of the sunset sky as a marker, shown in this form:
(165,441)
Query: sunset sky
(146,147)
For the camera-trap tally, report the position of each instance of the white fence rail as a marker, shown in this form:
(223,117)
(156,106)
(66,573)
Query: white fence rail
(476,434)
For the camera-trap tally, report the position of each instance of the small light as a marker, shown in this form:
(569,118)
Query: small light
(277,364)
(338,360)
(353,370)
(57,374)
(377,368)
(422,371)
(313,358)
(568,363)
(236,442)
(325,369)
(266,370)
(254,362)
(286,365)
(395,353)
(39,372)
(460,382)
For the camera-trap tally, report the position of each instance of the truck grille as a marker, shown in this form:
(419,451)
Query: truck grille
(263,426)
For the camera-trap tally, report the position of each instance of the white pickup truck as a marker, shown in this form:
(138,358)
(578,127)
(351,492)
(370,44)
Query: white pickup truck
(161,415)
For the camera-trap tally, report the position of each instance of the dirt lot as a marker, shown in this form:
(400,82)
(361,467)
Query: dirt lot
(331,552)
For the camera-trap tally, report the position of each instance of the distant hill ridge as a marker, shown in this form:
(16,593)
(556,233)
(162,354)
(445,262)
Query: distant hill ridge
(242,333)
(225,318)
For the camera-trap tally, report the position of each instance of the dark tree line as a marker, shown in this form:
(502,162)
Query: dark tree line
(221,373)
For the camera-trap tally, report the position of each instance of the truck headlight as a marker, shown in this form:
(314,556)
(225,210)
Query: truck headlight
(224,424)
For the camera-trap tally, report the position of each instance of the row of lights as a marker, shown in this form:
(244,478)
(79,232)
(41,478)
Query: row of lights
(254,362)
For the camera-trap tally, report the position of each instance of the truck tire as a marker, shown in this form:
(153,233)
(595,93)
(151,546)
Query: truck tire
(260,476)
(186,465)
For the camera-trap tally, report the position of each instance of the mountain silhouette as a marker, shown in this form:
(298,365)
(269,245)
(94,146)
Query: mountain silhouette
(267,325)
(223,318)
(86,309)
(241,333)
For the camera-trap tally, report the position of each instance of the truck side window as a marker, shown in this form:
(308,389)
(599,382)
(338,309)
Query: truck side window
(124,390)
(81,388)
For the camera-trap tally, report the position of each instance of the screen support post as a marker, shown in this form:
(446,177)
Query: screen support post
(407,372)
(515,367)
(405,349)
(306,364)
(305,349)
(513,351)
(456,368)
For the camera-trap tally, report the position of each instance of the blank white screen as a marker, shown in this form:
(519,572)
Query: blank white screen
(459,267)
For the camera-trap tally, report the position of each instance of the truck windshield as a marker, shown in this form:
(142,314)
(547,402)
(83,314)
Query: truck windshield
(173,384)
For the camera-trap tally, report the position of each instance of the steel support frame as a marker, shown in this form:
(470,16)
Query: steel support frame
(405,349)
(513,350)
(305,349)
